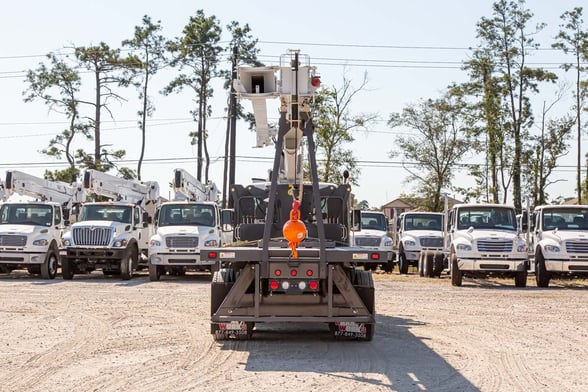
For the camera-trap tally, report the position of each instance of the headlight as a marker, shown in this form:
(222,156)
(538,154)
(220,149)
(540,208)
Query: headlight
(464,247)
(120,243)
(211,243)
(154,243)
(42,242)
(388,242)
(66,242)
(522,248)
(552,248)
(409,243)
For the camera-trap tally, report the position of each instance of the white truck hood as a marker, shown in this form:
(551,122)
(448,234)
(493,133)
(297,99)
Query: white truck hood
(481,234)
(423,233)
(565,235)
(21,229)
(369,233)
(184,230)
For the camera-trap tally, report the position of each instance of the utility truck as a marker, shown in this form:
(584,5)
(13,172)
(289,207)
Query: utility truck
(294,262)
(418,238)
(484,240)
(374,235)
(185,227)
(110,235)
(559,242)
(30,231)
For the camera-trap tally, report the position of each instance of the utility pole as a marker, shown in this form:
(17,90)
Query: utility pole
(232,130)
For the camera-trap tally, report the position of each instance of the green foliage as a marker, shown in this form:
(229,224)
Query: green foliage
(437,141)
(334,126)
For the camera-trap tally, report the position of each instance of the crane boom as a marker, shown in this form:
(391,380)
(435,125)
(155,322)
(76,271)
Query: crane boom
(21,183)
(186,186)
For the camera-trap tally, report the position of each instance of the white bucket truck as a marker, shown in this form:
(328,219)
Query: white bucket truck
(184,227)
(484,240)
(30,231)
(111,235)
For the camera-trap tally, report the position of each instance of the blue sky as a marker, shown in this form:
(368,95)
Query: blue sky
(408,49)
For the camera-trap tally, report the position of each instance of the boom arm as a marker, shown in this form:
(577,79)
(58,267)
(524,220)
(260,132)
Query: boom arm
(187,186)
(120,189)
(45,190)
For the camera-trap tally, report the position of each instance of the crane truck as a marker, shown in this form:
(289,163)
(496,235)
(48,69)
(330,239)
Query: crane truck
(30,231)
(185,227)
(111,235)
(559,242)
(374,235)
(292,261)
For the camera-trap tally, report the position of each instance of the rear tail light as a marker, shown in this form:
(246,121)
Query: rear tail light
(313,285)
(274,285)
(293,272)
(309,272)
(278,272)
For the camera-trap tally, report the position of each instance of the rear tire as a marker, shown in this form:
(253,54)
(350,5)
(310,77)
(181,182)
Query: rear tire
(521,278)
(429,272)
(49,267)
(421,266)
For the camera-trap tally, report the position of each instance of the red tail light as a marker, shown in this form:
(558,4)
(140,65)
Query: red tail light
(278,272)
(293,272)
(309,272)
(274,285)
(375,256)
(212,255)
(313,285)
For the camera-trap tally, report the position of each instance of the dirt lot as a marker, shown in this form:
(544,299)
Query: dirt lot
(104,334)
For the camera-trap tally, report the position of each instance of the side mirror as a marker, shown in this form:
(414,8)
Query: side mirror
(227,219)
(356,220)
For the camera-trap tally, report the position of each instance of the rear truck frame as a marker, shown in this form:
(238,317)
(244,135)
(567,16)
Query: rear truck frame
(313,277)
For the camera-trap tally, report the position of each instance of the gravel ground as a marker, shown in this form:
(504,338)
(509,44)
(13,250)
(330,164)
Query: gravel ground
(99,333)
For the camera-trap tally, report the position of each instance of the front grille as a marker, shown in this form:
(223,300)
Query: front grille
(91,235)
(432,242)
(495,246)
(494,266)
(13,240)
(181,242)
(367,241)
(577,246)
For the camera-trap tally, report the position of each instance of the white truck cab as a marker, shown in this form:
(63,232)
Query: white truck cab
(416,232)
(374,235)
(31,230)
(483,241)
(110,235)
(559,242)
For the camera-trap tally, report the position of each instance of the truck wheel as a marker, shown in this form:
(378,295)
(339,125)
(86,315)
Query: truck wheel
(421,266)
(438,265)
(388,267)
(67,269)
(49,267)
(456,275)
(521,278)
(126,264)
(402,263)
(154,272)
(541,275)
(34,269)
(429,273)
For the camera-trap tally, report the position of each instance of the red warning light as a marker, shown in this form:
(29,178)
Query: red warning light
(375,256)
(212,255)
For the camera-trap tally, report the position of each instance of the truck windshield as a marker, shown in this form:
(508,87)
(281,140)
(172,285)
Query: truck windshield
(101,212)
(372,221)
(186,215)
(26,214)
(423,222)
(487,218)
(565,219)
